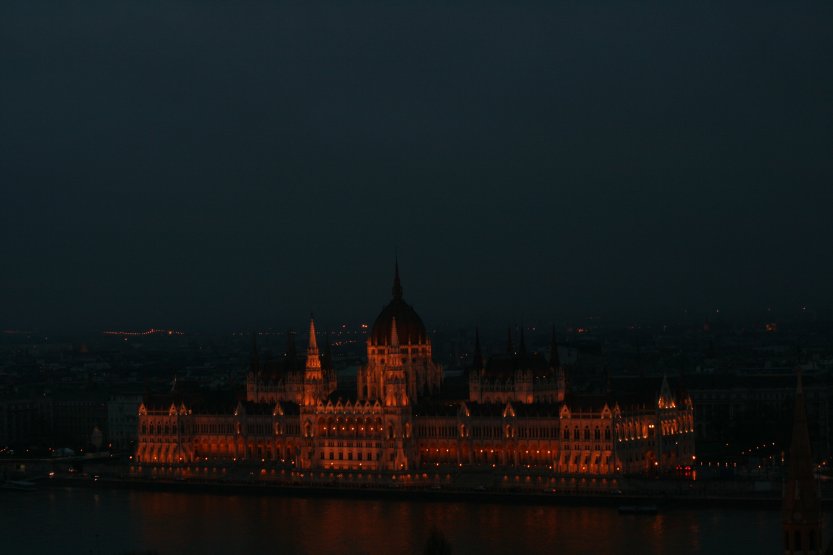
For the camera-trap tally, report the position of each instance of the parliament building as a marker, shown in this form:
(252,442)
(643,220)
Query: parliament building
(519,413)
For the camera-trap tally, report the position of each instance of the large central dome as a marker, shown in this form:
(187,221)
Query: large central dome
(409,326)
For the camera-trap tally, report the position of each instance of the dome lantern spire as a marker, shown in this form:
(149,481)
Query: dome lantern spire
(397,286)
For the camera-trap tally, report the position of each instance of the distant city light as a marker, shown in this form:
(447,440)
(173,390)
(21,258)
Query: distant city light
(151,331)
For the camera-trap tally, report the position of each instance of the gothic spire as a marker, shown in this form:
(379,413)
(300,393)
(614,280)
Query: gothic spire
(313,341)
(802,501)
(397,286)
(313,360)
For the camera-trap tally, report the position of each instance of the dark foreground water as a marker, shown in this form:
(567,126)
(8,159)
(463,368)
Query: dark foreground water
(92,521)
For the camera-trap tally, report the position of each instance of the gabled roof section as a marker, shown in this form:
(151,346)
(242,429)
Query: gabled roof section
(666,398)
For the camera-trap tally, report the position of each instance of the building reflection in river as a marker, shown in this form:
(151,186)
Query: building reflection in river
(84,521)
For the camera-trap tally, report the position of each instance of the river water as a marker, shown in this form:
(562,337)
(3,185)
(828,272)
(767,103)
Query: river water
(77,520)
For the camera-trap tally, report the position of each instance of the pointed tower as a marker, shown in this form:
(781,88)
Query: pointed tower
(802,520)
(397,285)
(313,375)
(395,390)
(313,358)
(666,399)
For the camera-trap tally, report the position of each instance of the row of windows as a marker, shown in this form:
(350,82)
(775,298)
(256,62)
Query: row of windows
(486,432)
(597,433)
(587,459)
(360,456)
(403,350)
(450,432)
(582,447)
(365,444)
(437,431)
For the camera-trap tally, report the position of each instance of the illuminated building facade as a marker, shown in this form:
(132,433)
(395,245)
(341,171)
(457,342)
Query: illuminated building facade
(519,414)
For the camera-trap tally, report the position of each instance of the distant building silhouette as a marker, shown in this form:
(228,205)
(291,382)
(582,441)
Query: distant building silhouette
(802,498)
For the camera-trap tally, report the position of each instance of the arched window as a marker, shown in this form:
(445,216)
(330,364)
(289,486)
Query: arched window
(566,433)
(597,435)
(576,433)
(607,433)
(586,433)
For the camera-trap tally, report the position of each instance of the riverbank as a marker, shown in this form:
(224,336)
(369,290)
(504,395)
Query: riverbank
(664,499)
(444,484)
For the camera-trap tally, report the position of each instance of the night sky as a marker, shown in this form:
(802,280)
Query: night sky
(222,165)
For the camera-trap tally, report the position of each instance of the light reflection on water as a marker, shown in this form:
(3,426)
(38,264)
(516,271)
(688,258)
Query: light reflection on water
(84,521)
